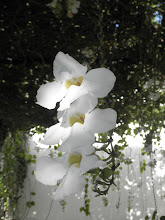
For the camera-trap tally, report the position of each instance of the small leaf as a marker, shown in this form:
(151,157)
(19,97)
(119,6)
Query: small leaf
(32,193)
(154,215)
(106,173)
(32,203)
(81,209)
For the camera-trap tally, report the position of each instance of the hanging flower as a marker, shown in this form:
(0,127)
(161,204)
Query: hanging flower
(72,7)
(79,123)
(154,96)
(72,81)
(70,167)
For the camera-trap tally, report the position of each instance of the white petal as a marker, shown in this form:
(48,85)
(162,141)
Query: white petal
(72,183)
(101,120)
(49,94)
(60,115)
(99,81)
(73,93)
(54,134)
(90,162)
(86,103)
(79,136)
(83,104)
(50,170)
(64,63)
(84,150)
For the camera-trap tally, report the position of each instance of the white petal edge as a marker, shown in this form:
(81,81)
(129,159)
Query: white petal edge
(79,136)
(50,170)
(49,94)
(101,120)
(83,104)
(54,134)
(99,82)
(86,103)
(90,162)
(73,93)
(85,150)
(65,63)
(72,183)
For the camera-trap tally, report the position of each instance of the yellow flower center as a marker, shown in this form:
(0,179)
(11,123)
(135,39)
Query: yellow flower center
(74,81)
(74,159)
(79,117)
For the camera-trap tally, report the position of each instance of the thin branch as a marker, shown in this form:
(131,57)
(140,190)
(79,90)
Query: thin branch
(49,209)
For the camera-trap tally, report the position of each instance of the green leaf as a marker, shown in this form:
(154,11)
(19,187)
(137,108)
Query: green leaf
(32,203)
(146,217)
(33,193)
(106,173)
(154,215)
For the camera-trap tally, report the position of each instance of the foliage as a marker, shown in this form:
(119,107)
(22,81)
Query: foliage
(86,207)
(13,168)
(143,166)
(30,204)
(63,204)
(104,178)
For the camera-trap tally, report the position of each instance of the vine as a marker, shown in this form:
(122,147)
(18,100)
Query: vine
(13,168)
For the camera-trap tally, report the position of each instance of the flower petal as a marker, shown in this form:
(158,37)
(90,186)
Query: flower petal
(64,63)
(50,170)
(54,134)
(99,82)
(49,94)
(73,93)
(60,115)
(84,104)
(79,136)
(90,162)
(85,150)
(101,120)
(72,183)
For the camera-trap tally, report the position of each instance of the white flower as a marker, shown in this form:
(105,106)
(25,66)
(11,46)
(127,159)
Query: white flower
(87,52)
(73,6)
(149,84)
(73,82)
(70,168)
(154,96)
(79,123)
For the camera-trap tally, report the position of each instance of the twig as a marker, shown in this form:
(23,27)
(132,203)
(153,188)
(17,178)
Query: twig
(49,209)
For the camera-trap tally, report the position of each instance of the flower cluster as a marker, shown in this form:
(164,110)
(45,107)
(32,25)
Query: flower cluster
(79,119)
(72,7)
